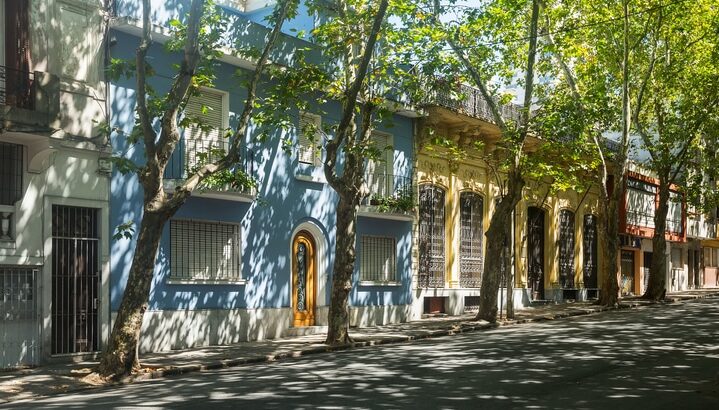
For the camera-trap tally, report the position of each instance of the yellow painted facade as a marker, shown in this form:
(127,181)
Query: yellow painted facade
(436,166)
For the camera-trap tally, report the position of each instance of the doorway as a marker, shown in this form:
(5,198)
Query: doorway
(75,279)
(304,274)
(627,273)
(535,252)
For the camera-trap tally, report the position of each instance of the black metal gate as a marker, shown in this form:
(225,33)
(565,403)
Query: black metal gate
(75,279)
(589,247)
(471,261)
(431,236)
(535,252)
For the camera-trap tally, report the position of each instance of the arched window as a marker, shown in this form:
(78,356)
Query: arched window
(566,248)
(589,248)
(431,236)
(471,257)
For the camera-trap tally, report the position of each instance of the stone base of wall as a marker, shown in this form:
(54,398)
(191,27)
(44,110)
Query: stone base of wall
(456,300)
(164,330)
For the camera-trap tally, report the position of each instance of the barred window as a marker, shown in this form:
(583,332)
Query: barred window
(10,173)
(431,236)
(472,232)
(379,259)
(566,248)
(203,250)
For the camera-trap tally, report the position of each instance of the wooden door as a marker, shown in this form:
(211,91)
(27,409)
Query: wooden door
(535,252)
(304,273)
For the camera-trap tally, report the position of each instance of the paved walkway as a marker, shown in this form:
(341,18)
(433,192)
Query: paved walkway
(56,378)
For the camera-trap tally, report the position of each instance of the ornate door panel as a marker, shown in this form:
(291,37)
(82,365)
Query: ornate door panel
(304,273)
(535,252)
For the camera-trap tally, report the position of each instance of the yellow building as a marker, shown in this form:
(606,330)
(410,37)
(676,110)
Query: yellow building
(554,233)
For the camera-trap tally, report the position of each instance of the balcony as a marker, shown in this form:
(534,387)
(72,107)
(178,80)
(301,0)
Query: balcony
(390,197)
(29,101)
(469,101)
(192,153)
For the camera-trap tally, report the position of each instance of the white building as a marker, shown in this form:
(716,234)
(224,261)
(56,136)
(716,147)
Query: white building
(54,237)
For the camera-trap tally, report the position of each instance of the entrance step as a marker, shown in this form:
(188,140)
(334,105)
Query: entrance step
(304,331)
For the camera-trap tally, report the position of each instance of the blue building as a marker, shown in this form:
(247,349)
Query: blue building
(254,264)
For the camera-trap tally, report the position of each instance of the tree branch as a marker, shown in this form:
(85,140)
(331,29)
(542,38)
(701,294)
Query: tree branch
(148,133)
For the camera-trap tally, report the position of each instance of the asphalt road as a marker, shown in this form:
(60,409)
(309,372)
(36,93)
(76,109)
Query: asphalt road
(663,357)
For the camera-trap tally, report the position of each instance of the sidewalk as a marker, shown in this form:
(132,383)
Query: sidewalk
(56,378)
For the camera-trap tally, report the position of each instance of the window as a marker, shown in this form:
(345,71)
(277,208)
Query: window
(674,213)
(380,180)
(246,6)
(711,257)
(641,203)
(566,248)
(431,236)
(379,259)
(309,139)
(11,171)
(204,251)
(472,233)
(209,107)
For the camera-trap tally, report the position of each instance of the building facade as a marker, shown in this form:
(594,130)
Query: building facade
(254,264)
(54,242)
(554,234)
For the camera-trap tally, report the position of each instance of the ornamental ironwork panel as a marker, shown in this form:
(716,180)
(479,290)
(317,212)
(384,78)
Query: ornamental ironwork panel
(589,248)
(566,248)
(431,236)
(301,277)
(471,259)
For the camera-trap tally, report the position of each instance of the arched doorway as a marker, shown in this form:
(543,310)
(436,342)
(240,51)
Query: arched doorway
(304,278)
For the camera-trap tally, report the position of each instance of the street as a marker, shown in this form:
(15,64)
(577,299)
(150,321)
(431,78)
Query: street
(662,357)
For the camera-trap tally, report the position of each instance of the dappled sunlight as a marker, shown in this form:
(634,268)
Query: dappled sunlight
(547,365)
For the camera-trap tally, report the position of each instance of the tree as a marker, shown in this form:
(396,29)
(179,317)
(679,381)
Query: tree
(471,41)
(197,39)
(674,109)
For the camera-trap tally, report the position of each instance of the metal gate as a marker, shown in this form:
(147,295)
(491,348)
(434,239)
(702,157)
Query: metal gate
(75,279)
(19,321)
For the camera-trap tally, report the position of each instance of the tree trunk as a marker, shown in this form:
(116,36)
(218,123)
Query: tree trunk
(338,317)
(656,288)
(120,357)
(608,238)
(497,237)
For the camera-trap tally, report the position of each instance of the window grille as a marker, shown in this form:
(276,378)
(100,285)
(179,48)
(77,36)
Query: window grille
(641,203)
(566,248)
(11,171)
(309,139)
(431,236)
(204,251)
(379,259)
(472,233)
(589,247)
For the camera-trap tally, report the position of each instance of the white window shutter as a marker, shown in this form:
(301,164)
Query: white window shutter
(379,171)
(308,152)
(210,107)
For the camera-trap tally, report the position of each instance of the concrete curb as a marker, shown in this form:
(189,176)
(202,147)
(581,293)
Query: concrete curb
(461,327)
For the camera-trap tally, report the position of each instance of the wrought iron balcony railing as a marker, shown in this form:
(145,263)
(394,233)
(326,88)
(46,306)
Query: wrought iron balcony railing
(191,153)
(468,100)
(17,88)
(390,193)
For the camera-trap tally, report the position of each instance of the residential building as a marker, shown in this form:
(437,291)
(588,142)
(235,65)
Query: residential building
(554,235)
(238,265)
(54,241)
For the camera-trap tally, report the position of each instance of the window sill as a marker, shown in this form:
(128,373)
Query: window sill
(205,282)
(311,178)
(373,283)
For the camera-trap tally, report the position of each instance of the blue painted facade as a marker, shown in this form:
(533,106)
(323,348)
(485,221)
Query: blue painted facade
(267,223)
